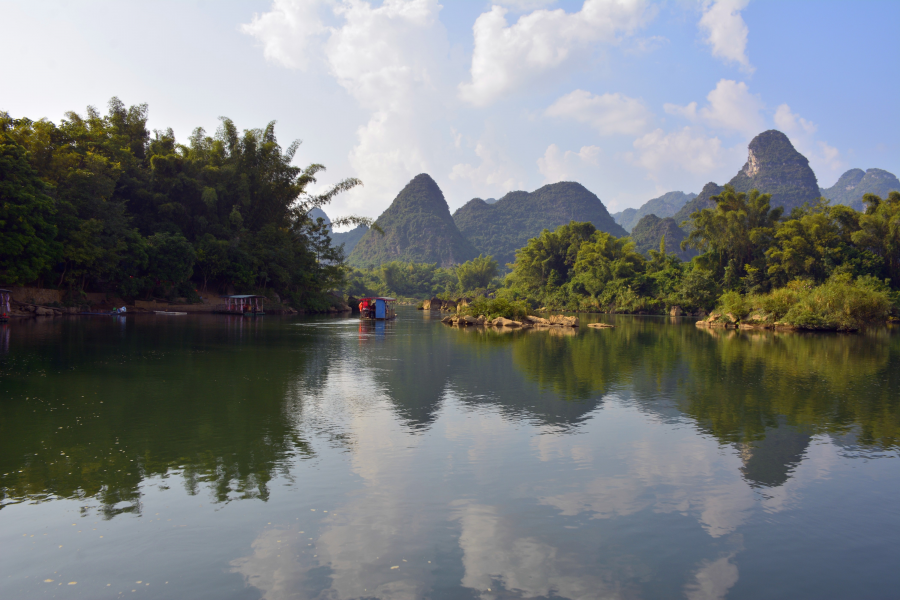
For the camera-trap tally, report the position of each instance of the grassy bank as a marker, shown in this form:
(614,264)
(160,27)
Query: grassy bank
(840,304)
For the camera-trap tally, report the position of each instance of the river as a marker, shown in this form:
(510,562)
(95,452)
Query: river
(217,457)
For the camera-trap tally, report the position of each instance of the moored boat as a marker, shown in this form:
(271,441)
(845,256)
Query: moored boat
(247,305)
(4,305)
(377,309)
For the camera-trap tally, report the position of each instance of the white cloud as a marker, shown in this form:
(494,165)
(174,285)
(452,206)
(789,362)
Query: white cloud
(524,5)
(609,114)
(495,175)
(287,30)
(791,123)
(557,166)
(731,107)
(687,150)
(508,57)
(392,59)
(726,30)
(823,157)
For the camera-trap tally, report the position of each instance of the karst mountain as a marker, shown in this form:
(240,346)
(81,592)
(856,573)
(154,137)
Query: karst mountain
(501,228)
(417,227)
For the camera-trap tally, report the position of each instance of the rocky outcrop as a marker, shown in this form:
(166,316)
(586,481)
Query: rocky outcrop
(775,167)
(601,326)
(530,322)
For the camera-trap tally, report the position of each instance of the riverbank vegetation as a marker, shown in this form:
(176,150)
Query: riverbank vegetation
(98,203)
(473,278)
(824,266)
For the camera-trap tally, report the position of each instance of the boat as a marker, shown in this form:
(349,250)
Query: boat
(377,309)
(4,305)
(168,312)
(247,305)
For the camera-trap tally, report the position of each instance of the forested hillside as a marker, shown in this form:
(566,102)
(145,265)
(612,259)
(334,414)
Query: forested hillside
(856,183)
(99,203)
(664,206)
(699,202)
(501,228)
(416,227)
(650,230)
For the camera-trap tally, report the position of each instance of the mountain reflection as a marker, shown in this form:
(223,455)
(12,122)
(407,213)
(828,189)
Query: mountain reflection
(91,410)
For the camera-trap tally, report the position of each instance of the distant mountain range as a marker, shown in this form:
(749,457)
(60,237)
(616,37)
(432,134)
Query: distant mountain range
(699,202)
(501,228)
(418,226)
(856,183)
(665,206)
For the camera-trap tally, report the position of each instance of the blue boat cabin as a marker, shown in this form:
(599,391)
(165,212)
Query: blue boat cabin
(377,308)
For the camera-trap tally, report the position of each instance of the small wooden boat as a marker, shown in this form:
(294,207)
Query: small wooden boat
(4,305)
(246,305)
(377,309)
(168,313)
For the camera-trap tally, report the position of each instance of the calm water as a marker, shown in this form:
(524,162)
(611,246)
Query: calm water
(212,457)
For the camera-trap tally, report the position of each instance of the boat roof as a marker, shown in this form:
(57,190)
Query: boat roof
(378,298)
(243,296)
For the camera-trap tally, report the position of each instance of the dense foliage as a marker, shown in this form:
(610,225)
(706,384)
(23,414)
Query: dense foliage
(97,202)
(416,227)
(650,230)
(823,266)
(425,280)
(499,229)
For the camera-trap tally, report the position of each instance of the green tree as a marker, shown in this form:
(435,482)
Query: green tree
(734,235)
(27,233)
(477,273)
(171,260)
(547,260)
(879,231)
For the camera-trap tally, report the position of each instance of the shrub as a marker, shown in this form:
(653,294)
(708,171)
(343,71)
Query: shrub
(496,307)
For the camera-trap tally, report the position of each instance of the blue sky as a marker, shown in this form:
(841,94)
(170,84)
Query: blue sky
(631,98)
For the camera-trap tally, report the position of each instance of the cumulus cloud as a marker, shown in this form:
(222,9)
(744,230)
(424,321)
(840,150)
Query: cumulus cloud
(685,149)
(726,30)
(822,156)
(731,107)
(558,166)
(507,57)
(495,174)
(791,123)
(287,30)
(392,59)
(609,114)
(524,5)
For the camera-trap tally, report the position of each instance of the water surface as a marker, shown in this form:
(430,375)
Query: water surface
(220,457)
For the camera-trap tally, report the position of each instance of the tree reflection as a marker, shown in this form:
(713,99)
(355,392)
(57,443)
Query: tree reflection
(76,424)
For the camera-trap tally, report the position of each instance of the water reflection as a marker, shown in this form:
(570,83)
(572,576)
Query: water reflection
(440,462)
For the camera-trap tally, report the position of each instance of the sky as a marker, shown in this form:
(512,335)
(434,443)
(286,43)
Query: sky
(631,98)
